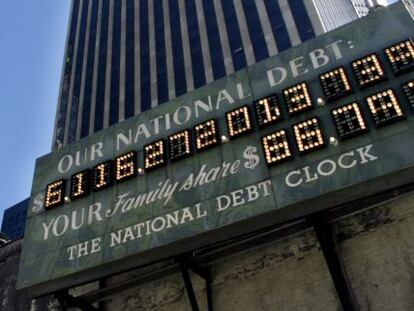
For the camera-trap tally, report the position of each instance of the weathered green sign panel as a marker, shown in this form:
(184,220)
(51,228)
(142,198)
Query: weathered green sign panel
(238,185)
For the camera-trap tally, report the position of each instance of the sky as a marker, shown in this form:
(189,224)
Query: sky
(32,41)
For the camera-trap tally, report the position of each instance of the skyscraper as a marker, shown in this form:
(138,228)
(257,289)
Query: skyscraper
(380,2)
(361,7)
(127,56)
(334,13)
(290,164)
(14,220)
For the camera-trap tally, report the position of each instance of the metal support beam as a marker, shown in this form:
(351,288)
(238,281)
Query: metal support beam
(336,268)
(209,292)
(188,264)
(67,300)
(189,287)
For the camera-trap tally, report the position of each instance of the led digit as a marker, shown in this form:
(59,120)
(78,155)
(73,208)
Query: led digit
(276,147)
(401,56)
(385,108)
(267,110)
(309,136)
(297,98)
(335,84)
(154,155)
(80,185)
(368,70)
(349,121)
(409,92)
(238,121)
(179,145)
(206,135)
(55,194)
(125,166)
(102,176)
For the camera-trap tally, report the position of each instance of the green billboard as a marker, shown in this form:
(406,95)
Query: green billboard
(318,125)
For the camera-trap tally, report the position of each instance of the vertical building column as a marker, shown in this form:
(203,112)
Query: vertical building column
(224,39)
(152,54)
(129,71)
(79,66)
(160,52)
(102,67)
(145,65)
(267,28)
(115,63)
(72,75)
(79,84)
(59,127)
(95,70)
(234,35)
(84,66)
(168,50)
(247,44)
(314,17)
(137,54)
(289,22)
(208,67)
(121,109)
(108,64)
(186,47)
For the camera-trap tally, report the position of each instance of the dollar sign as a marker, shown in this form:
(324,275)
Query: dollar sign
(252,158)
(38,202)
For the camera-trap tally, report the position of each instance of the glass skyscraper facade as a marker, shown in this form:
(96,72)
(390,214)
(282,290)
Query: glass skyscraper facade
(335,13)
(124,57)
(14,220)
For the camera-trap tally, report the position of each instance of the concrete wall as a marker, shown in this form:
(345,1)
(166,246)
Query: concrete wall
(378,250)
(9,258)
(10,300)
(289,274)
(376,246)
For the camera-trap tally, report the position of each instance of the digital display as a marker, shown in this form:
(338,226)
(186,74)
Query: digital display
(239,121)
(55,194)
(335,84)
(297,98)
(125,166)
(179,145)
(385,108)
(267,110)
(80,184)
(206,135)
(401,56)
(154,155)
(409,92)
(368,70)
(276,147)
(349,121)
(309,136)
(102,176)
